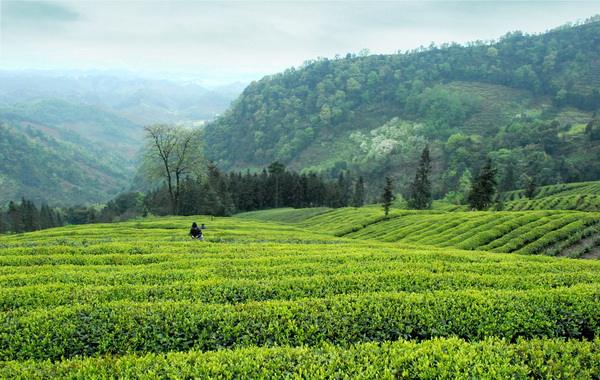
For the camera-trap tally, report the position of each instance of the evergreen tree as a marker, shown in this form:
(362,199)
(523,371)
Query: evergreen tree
(276,170)
(420,188)
(530,187)
(388,195)
(46,220)
(508,181)
(358,198)
(484,187)
(29,215)
(58,218)
(15,220)
(3,228)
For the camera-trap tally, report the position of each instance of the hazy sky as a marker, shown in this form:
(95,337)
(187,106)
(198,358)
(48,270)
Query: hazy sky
(223,41)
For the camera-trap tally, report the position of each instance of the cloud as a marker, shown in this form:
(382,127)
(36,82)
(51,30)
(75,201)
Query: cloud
(34,12)
(251,38)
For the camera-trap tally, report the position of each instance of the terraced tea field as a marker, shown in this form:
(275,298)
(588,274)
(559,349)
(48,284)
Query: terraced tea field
(582,196)
(261,299)
(554,233)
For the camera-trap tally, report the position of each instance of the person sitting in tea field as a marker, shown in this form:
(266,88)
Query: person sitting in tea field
(196,232)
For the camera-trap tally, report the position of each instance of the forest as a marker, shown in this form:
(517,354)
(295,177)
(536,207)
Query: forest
(526,101)
(216,193)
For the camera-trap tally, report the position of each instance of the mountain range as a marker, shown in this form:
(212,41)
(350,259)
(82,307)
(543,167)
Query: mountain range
(72,138)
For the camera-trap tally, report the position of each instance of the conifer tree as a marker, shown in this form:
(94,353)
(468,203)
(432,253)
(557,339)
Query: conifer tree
(344,189)
(530,187)
(46,217)
(508,181)
(2,224)
(276,170)
(484,187)
(358,198)
(388,195)
(420,188)
(15,219)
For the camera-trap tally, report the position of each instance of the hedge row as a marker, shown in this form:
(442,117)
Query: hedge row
(237,291)
(450,358)
(126,327)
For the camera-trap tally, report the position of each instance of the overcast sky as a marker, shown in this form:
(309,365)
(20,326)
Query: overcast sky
(222,42)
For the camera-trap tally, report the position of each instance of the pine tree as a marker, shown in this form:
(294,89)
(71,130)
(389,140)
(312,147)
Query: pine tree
(484,188)
(358,198)
(508,181)
(2,223)
(57,217)
(531,187)
(276,170)
(388,195)
(46,217)
(420,188)
(15,220)
(29,215)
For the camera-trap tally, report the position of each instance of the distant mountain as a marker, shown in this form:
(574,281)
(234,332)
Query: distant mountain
(75,123)
(141,100)
(528,101)
(63,170)
(70,138)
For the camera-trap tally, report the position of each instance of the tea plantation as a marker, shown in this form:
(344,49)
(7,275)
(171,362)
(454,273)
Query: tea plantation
(582,196)
(303,294)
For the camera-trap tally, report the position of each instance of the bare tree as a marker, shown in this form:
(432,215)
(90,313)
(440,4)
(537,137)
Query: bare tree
(172,153)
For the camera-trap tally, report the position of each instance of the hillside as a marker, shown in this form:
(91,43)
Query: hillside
(259,299)
(583,196)
(526,100)
(65,153)
(72,138)
(554,233)
(77,124)
(50,164)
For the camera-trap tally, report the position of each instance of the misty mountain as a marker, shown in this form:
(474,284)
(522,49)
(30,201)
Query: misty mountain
(70,137)
(141,100)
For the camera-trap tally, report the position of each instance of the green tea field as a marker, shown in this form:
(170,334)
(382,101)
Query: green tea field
(313,293)
(582,196)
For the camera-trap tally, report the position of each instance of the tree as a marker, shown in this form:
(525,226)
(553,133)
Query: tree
(531,187)
(484,187)
(15,219)
(276,170)
(344,190)
(358,198)
(172,153)
(508,181)
(420,188)
(46,219)
(30,215)
(388,195)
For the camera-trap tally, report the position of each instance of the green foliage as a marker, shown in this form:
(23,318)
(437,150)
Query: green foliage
(375,113)
(420,188)
(388,195)
(483,188)
(37,166)
(434,359)
(283,215)
(258,299)
(540,232)
(582,196)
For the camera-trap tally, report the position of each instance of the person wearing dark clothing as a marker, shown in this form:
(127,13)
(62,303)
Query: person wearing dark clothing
(202,227)
(196,232)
